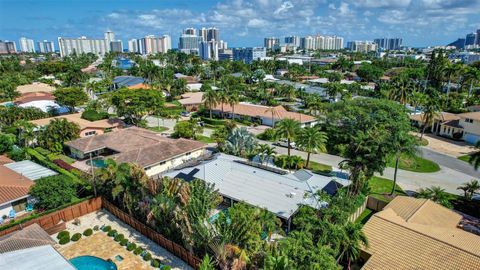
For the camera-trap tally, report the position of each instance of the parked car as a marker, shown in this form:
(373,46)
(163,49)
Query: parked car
(284,143)
(185,114)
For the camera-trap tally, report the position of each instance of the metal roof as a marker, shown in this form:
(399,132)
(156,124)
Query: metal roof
(42,257)
(127,81)
(279,194)
(30,169)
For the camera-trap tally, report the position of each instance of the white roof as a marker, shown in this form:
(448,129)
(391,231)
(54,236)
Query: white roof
(44,105)
(30,169)
(42,257)
(279,194)
(194,86)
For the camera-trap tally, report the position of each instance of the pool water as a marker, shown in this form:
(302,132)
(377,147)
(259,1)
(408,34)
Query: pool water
(99,163)
(92,263)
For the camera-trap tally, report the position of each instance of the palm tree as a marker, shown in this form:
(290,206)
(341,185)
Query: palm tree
(312,140)
(272,110)
(288,129)
(401,90)
(210,99)
(436,194)
(333,89)
(233,99)
(475,157)
(450,71)
(472,76)
(223,96)
(431,111)
(26,132)
(265,152)
(469,189)
(353,241)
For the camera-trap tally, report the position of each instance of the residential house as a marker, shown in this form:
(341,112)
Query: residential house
(281,194)
(264,115)
(470,122)
(148,149)
(412,233)
(16,178)
(191,101)
(130,82)
(87,128)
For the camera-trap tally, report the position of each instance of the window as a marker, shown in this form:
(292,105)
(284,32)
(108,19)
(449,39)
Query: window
(188,153)
(468,120)
(90,133)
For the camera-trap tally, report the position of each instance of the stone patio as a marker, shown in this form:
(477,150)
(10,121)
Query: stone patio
(107,248)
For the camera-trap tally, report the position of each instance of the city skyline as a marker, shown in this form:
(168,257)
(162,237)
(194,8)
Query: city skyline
(243,23)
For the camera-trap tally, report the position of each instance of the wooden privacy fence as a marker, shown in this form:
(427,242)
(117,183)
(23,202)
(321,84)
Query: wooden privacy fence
(358,212)
(52,222)
(156,237)
(376,204)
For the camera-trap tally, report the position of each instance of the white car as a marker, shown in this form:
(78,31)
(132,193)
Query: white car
(284,143)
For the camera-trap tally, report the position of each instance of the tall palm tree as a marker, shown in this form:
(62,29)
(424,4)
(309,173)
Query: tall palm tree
(233,99)
(272,110)
(472,76)
(223,98)
(353,241)
(288,129)
(265,152)
(430,112)
(312,140)
(475,157)
(450,71)
(210,99)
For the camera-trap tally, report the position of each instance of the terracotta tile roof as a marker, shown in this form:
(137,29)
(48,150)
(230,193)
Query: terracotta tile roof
(4,160)
(254,110)
(471,115)
(77,118)
(443,116)
(35,87)
(419,234)
(31,236)
(137,145)
(139,86)
(34,96)
(191,98)
(12,185)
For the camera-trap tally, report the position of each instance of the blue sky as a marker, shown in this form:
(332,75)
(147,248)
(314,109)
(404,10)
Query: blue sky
(243,22)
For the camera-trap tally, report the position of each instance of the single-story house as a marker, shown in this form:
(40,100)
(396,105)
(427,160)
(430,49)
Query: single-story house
(148,149)
(277,193)
(188,79)
(191,101)
(130,82)
(31,248)
(265,115)
(464,126)
(87,128)
(38,95)
(35,87)
(412,233)
(15,181)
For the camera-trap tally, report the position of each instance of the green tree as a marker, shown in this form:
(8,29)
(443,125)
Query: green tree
(265,152)
(207,263)
(187,129)
(469,189)
(70,97)
(353,242)
(240,142)
(475,157)
(436,194)
(311,140)
(6,142)
(288,129)
(210,99)
(56,133)
(369,72)
(53,191)
(277,263)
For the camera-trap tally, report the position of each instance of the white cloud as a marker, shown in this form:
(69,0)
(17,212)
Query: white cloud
(257,23)
(287,5)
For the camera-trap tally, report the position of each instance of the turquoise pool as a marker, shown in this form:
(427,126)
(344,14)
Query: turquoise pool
(99,163)
(92,263)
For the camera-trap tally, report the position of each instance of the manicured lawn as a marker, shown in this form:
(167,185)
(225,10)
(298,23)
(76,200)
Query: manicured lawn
(380,186)
(465,158)
(315,166)
(365,216)
(415,164)
(205,139)
(158,129)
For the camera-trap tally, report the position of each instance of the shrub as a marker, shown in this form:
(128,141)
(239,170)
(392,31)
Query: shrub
(138,250)
(54,191)
(88,232)
(131,246)
(267,135)
(112,233)
(123,242)
(63,234)
(95,228)
(107,228)
(76,237)
(92,115)
(119,237)
(64,240)
(166,267)
(42,151)
(147,257)
(155,263)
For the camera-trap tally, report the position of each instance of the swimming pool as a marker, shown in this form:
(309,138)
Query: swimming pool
(97,162)
(92,263)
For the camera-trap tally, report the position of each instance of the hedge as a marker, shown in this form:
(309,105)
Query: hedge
(64,240)
(124,242)
(88,232)
(92,115)
(147,257)
(215,122)
(119,237)
(138,250)
(63,234)
(112,233)
(107,228)
(155,263)
(131,246)
(76,237)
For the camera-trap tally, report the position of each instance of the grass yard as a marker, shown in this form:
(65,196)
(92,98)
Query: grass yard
(380,186)
(365,216)
(204,139)
(158,129)
(319,167)
(465,158)
(415,164)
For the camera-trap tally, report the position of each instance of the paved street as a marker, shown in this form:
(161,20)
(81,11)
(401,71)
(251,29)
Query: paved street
(449,161)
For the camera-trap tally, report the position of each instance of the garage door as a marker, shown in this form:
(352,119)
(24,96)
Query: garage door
(471,138)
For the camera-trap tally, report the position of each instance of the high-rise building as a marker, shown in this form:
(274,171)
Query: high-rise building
(471,39)
(361,46)
(7,47)
(319,42)
(189,43)
(293,41)
(307,43)
(203,33)
(46,46)
(208,50)
(116,46)
(248,55)
(389,43)
(225,54)
(27,45)
(109,36)
(270,42)
(152,44)
(213,34)
(132,46)
(478,37)
(82,44)
(189,31)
